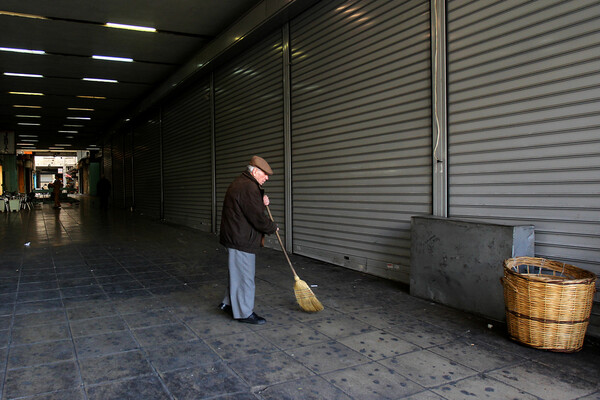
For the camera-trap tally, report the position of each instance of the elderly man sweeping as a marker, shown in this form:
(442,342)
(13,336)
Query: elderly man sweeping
(243,226)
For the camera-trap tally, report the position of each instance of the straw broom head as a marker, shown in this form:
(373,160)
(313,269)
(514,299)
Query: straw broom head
(305,297)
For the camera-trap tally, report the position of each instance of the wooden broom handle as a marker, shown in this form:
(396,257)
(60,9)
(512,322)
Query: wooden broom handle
(281,244)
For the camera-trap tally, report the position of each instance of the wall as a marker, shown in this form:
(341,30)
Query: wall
(353,124)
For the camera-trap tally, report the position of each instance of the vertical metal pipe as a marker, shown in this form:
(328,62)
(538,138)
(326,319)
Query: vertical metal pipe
(160,149)
(287,135)
(439,108)
(132,169)
(213,153)
(124,170)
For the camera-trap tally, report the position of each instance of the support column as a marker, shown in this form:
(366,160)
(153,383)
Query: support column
(439,108)
(213,154)
(287,135)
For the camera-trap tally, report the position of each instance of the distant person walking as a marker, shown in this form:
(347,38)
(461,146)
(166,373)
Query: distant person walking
(56,190)
(103,190)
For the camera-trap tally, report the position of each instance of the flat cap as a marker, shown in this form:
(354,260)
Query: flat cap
(259,162)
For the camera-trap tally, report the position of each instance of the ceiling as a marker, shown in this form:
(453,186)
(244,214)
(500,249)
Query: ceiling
(73,113)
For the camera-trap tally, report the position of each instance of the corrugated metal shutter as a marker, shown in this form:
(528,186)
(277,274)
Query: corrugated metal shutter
(128,166)
(117,182)
(106,163)
(187,159)
(146,171)
(361,132)
(524,121)
(249,121)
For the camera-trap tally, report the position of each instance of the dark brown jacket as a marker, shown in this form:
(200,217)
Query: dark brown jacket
(243,219)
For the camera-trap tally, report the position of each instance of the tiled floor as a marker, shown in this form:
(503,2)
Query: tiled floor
(111,306)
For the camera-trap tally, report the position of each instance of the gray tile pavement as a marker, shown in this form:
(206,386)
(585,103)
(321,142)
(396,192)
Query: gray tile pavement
(116,306)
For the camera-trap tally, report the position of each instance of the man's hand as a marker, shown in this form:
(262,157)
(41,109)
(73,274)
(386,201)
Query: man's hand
(266,201)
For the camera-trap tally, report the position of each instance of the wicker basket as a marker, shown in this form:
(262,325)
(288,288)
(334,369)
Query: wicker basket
(548,303)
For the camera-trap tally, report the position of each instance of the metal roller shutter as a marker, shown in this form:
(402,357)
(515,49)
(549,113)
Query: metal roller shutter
(361,132)
(117,182)
(106,163)
(146,173)
(249,121)
(187,159)
(128,169)
(524,125)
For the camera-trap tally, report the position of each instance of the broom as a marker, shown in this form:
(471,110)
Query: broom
(304,296)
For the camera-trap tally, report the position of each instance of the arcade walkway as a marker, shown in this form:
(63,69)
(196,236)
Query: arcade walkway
(112,306)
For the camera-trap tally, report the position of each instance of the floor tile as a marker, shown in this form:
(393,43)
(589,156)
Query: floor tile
(169,340)
(150,318)
(69,394)
(328,356)
(378,345)
(38,306)
(94,326)
(292,336)
(210,326)
(481,387)
(311,388)
(593,396)
(40,333)
(426,395)
(41,318)
(548,383)
(428,369)
(267,369)
(422,334)
(342,326)
(78,291)
(41,379)
(106,343)
(7,309)
(240,345)
(163,334)
(146,388)
(40,353)
(91,311)
(114,366)
(180,355)
(203,381)
(372,381)
(476,355)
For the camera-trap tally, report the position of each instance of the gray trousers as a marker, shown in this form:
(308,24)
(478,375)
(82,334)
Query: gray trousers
(240,293)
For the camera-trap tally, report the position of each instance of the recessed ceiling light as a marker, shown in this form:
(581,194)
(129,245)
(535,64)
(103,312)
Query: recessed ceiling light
(80,109)
(27,51)
(28,124)
(27,93)
(25,144)
(22,106)
(92,97)
(74,126)
(28,135)
(30,140)
(110,58)
(29,116)
(14,14)
(101,80)
(130,27)
(23,75)
(84,118)
(69,137)
(67,131)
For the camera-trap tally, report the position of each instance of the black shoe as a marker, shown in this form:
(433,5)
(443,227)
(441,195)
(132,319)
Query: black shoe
(253,319)
(227,308)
